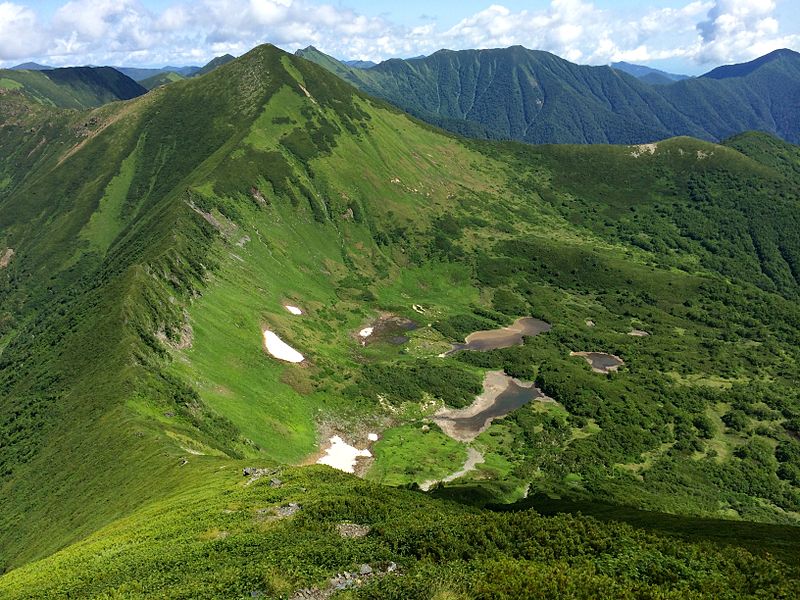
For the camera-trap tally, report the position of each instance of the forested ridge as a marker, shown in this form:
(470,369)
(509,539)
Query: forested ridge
(536,97)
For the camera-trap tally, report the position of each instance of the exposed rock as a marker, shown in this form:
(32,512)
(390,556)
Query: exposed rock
(6,257)
(344,581)
(352,530)
(254,473)
(258,196)
(179,339)
(643,149)
(225,227)
(271,513)
(287,511)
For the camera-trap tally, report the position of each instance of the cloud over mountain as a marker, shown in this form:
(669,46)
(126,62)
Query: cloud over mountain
(126,31)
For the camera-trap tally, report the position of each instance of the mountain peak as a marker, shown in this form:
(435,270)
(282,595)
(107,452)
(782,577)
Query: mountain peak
(31,66)
(219,61)
(744,69)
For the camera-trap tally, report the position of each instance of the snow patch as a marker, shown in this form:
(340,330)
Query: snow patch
(372,437)
(293,309)
(280,349)
(366,332)
(342,456)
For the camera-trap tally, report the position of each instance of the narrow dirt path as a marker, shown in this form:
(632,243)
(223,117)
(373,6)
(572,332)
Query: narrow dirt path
(474,458)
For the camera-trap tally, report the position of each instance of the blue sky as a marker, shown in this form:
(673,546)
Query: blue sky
(689,36)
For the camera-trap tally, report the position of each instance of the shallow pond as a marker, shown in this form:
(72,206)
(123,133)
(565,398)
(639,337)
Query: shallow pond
(501,395)
(504,337)
(388,328)
(601,362)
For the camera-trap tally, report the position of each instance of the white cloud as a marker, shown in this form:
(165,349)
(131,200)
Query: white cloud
(20,34)
(574,29)
(740,29)
(701,31)
(120,31)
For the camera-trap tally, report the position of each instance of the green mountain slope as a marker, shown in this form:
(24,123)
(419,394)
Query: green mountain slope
(139,74)
(785,56)
(160,79)
(764,98)
(536,97)
(72,87)
(213,64)
(155,240)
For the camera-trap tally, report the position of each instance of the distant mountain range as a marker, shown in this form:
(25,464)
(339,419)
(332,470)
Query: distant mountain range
(511,93)
(162,78)
(537,97)
(152,78)
(139,74)
(88,87)
(31,66)
(360,64)
(71,87)
(648,74)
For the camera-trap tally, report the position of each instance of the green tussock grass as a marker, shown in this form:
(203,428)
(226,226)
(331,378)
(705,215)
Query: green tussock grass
(410,455)
(224,540)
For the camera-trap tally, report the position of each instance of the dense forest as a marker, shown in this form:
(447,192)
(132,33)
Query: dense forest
(534,96)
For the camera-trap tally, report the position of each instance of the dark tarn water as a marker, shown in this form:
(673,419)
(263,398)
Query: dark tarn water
(602,361)
(512,398)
